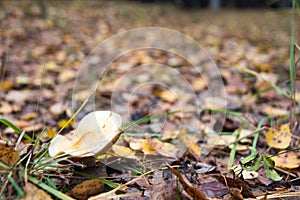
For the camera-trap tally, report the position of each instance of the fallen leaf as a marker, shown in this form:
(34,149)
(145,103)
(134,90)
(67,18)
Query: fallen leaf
(170,134)
(33,192)
(6,108)
(163,148)
(188,187)
(19,97)
(51,132)
(56,109)
(66,75)
(279,138)
(166,95)
(213,189)
(275,112)
(123,151)
(234,183)
(29,116)
(226,140)
(62,123)
(8,155)
(215,103)
(297,96)
(199,84)
(189,143)
(6,85)
(289,160)
(52,66)
(163,190)
(142,145)
(86,189)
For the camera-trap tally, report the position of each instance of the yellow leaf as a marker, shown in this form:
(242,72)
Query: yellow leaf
(188,141)
(52,66)
(62,122)
(279,138)
(51,132)
(163,148)
(6,85)
(147,148)
(122,151)
(287,160)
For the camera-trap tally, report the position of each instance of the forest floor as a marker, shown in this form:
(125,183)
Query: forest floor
(209,92)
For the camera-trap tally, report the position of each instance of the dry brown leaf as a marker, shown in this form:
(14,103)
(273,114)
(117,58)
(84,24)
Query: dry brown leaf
(275,112)
(170,134)
(66,75)
(86,189)
(279,138)
(6,108)
(61,56)
(215,103)
(297,96)
(57,109)
(188,187)
(33,192)
(235,183)
(289,160)
(19,97)
(166,95)
(199,84)
(29,116)
(8,155)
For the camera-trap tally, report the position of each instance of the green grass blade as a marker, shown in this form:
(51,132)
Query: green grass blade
(17,187)
(233,150)
(15,128)
(103,180)
(49,189)
(149,118)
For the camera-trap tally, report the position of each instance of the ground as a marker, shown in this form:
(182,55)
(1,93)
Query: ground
(202,87)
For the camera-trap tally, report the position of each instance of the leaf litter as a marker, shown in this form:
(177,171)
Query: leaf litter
(57,45)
